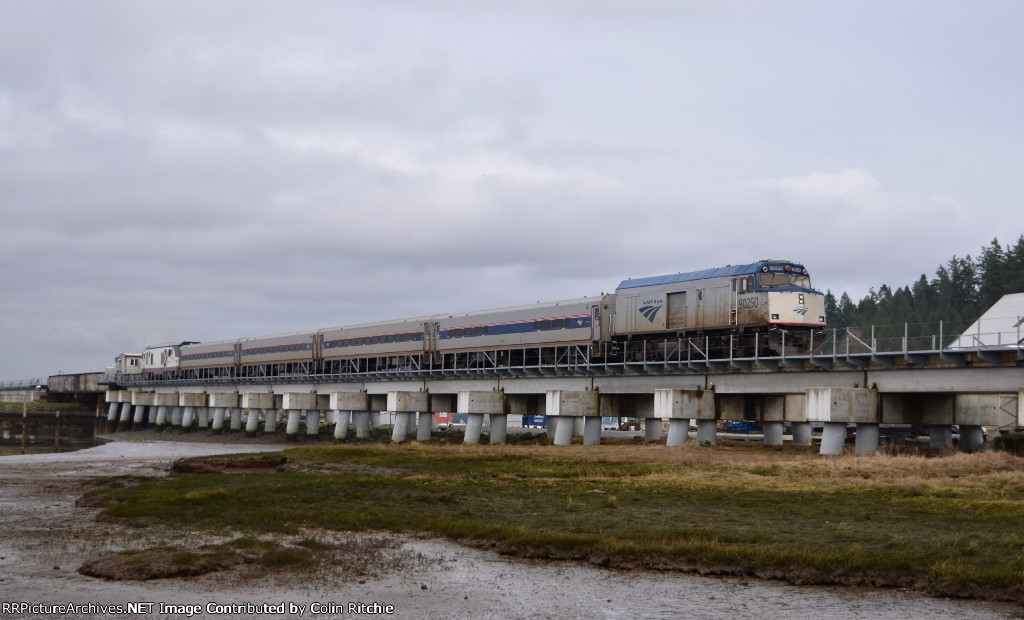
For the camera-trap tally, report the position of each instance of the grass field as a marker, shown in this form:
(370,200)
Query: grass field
(948,525)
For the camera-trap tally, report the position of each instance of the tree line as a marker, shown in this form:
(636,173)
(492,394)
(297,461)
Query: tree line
(961,291)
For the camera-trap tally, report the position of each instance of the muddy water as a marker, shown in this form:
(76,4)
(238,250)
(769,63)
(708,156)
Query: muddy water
(45,537)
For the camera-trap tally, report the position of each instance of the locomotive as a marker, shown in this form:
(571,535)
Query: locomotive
(763,308)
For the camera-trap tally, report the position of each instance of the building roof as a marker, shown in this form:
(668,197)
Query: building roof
(1002,327)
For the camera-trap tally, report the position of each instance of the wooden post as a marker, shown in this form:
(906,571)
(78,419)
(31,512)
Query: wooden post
(24,422)
(56,433)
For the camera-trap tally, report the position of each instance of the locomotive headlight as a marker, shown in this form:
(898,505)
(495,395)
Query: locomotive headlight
(821,319)
(801,298)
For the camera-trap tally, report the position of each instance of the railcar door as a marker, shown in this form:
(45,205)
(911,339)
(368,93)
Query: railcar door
(676,318)
(699,309)
(430,331)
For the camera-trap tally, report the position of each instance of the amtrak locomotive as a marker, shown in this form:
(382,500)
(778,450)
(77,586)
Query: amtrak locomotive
(763,308)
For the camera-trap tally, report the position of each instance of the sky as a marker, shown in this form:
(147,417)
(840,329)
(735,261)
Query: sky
(194,170)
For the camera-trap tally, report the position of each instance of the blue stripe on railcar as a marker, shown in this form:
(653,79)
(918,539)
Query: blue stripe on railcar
(520,327)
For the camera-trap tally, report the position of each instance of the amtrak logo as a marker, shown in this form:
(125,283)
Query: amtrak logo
(650,312)
(800,311)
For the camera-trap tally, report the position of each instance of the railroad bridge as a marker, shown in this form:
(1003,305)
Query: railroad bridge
(843,381)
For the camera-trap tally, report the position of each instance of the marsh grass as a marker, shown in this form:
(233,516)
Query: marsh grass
(947,525)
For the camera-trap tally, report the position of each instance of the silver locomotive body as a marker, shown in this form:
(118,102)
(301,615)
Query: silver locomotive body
(757,307)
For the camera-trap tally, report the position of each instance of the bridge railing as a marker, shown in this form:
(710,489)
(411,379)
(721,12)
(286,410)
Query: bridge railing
(22,384)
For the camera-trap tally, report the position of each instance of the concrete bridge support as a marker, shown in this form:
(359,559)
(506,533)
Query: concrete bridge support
(796,413)
(187,418)
(124,423)
(254,403)
(236,418)
(362,424)
(567,406)
(165,404)
(177,413)
(252,422)
(270,420)
(114,405)
(190,401)
(203,418)
(424,425)
(837,407)
(220,403)
(867,438)
(295,403)
(802,435)
(681,406)
(972,438)
(478,404)
(143,403)
(404,406)
(217,426)
(140,417)
(312,422)
(343,404)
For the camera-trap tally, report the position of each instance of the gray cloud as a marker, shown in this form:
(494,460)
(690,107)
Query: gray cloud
(211,170)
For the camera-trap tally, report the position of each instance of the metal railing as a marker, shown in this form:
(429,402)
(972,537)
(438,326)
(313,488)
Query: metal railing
(22,384)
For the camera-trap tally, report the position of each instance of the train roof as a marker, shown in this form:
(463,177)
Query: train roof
(716,272)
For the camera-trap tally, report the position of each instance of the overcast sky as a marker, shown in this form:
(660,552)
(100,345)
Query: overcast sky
(208,170)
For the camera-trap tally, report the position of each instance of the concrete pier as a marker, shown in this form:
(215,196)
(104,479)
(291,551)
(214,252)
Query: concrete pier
(140,417)
(203,418)
(837,407)
(291,428)
(707,432)
(295,403)
(252,422)
(499,428)
(477,404)
(236,418)
(187,418)
(867,438)
(681,406)
(176,415)
(400,430)
(165,404)
(362,424)
(940,436)
(592,431)
(270,420)
(972,438)
(312,422)
(218,420)
(424,425)
(405,405)
(833,438)
(653,430)
(255,402)
(772,433)
(802,435)
(124,423)
(568,406)
(344,404)
(341,424)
